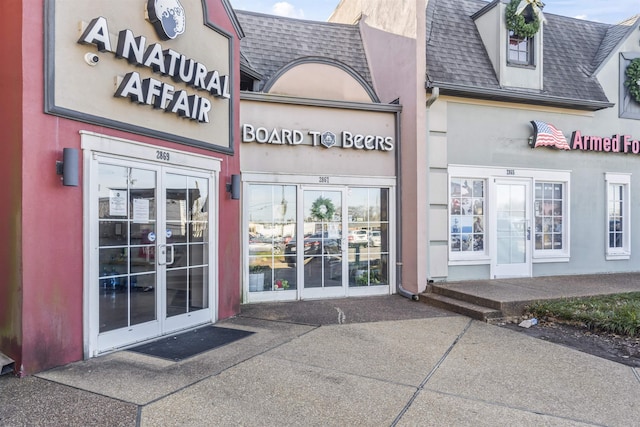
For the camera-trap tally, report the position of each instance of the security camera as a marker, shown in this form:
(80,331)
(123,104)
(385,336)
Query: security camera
(92,59)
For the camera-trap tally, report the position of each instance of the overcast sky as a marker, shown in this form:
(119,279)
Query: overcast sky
(608,11)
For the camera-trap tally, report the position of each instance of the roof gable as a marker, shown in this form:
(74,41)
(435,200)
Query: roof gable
(272,43)
(457,60)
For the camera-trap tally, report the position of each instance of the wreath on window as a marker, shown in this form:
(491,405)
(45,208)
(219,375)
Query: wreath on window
(524,16)
(633,79)
(322,209)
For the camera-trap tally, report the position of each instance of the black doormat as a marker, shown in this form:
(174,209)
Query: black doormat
(187,344)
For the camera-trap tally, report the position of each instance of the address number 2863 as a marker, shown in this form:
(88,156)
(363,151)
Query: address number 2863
(162,155)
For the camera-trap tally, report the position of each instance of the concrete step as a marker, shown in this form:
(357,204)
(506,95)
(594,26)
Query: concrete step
(465,296)
(465,308)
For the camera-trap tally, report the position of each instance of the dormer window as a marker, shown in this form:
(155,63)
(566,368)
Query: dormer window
(520,50)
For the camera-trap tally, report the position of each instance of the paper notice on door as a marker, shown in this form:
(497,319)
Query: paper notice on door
(118,203)
(141,211)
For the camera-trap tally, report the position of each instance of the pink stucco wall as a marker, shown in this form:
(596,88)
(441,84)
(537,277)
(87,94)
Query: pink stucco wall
(41,299)
(394,61)
(11,178)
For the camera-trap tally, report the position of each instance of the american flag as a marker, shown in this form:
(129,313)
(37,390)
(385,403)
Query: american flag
(546,135)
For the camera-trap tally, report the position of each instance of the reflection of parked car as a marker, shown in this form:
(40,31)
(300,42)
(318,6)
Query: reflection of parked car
(358,237)
(315,244)
(375,239)
(261,244)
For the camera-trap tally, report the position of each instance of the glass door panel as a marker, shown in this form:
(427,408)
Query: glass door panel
(513,229)
(126,261)
(322,251)
(187,249)
(152,271)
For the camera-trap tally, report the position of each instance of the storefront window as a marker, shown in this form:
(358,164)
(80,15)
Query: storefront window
(368,236)
(467,215)
(549,216)
(271,237)
(618,212)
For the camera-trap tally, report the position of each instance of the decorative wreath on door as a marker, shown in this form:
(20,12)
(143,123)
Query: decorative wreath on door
(524,16)
(322,209)
(633,79)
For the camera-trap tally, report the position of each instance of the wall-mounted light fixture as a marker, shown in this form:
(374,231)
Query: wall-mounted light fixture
(233,187)
(68,167)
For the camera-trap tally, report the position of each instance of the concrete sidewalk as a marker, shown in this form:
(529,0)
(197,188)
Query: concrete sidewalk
(427,367)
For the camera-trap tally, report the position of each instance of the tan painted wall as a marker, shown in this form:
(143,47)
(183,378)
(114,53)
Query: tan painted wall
(394,16)
(319,160)
(90,89)
(332,83)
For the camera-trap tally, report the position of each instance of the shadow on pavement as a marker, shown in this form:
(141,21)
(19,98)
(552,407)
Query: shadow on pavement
(343,310)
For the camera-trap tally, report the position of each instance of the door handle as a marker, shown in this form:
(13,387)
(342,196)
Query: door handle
(173,253)
(529,232)
(162,254)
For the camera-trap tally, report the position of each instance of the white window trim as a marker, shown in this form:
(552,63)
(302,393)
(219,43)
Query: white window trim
(561,255)
(480,172)
(624,179)
(467,257)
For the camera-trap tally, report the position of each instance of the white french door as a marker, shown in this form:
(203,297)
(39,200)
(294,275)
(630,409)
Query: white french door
(323,253)
(511,237)
(150,259)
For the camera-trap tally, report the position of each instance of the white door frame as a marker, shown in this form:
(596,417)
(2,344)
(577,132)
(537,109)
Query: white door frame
(95,147)
(324,292)
(507,270)
(185,320)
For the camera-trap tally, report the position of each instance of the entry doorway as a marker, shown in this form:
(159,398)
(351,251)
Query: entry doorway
(308,241)
(150,258)
(324,255)
(511,239)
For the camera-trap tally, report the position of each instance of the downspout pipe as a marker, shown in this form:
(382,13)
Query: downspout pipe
(401,290)
(435,93)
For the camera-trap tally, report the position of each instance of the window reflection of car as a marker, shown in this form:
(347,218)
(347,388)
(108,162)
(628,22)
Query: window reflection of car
(262,244)
(358,238)
(375,239)
(314,244)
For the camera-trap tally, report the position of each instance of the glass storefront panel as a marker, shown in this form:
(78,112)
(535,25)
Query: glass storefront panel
(466,215)
(549,216)
(368,238)
(272,237)
(324,257)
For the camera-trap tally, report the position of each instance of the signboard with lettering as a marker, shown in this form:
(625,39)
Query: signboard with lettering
(547,135)
(149,67)
(345,139)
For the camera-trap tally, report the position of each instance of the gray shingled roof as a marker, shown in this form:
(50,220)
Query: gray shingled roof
(573,50)
(271,42)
